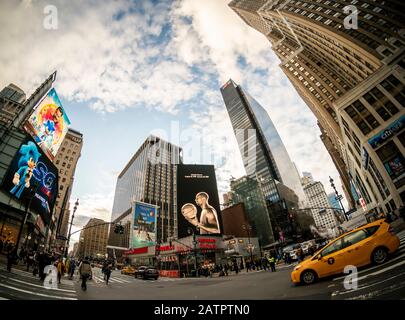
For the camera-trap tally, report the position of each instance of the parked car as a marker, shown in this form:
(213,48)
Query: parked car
(147,273)
(128,270)
(371,243)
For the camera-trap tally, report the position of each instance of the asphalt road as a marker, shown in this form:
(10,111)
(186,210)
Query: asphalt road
(382,282)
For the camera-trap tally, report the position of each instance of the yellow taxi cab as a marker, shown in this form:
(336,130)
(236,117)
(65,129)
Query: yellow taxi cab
(128,270)
(371,243)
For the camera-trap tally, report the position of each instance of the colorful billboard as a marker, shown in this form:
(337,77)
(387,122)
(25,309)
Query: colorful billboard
(32,174)
(197,200)
(48,124)
(144,225)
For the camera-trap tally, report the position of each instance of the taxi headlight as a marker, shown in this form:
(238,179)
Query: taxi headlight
(297,267)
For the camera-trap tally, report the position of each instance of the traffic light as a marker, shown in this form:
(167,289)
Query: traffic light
(119,229)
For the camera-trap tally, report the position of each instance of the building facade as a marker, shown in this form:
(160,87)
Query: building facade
(248,191)
(150,177)
(93,239)
(66,161)
(263,152)
(14,110)
(235,222)
(346,60)
(324,217)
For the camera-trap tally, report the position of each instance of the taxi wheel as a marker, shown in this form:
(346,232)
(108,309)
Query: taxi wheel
(379,255)
(308,277)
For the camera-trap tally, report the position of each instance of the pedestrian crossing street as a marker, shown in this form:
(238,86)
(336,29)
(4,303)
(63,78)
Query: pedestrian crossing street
(118,279)
(22,285)
(377,281)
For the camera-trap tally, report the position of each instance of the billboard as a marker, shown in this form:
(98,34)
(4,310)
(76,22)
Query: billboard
(48,124)
(31,169)
(197,200)
(144,225)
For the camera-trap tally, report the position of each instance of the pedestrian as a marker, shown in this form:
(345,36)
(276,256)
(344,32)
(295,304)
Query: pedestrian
(226,267)
(85,272)
(105,265)
(235,267)
(72,268)
(107,273)
(264,263)
(272,261)
(11,257)
(61,269)
(30,260)
(1,246)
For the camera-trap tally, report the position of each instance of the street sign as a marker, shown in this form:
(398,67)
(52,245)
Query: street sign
(363,204)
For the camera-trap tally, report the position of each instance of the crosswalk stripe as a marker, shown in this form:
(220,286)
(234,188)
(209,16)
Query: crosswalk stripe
(370,285)
(375,267)
(27,275)
(382,270)
(1,298)
(38,286)
(36,293)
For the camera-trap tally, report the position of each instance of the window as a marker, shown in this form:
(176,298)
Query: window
(336,246)
(354,238)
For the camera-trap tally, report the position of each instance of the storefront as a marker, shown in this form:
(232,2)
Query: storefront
(240,250)
(178,258)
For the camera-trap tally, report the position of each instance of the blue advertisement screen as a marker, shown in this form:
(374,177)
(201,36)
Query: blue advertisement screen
(32,176)
(144,226)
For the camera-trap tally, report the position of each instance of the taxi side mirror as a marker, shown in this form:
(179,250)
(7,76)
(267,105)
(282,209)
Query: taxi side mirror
(319,257)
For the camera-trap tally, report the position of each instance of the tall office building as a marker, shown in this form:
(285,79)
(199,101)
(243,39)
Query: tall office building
(348,66)
(263,152)
(317,198)
(247,191)
(150,177)
(93,240)
(66,161)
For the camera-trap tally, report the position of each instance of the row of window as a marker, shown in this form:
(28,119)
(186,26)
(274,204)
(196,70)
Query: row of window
(380,102)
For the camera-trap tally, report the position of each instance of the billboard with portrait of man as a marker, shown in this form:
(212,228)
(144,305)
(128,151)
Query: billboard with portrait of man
(48,124)
(197,200)
(143,225)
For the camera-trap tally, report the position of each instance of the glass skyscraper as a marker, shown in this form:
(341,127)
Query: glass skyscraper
(150,177)
(264,155)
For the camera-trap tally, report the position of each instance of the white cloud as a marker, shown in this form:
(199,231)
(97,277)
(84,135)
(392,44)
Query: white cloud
(95,205)
(224,38)
(113,65)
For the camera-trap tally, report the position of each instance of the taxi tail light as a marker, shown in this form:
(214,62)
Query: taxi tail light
(391,230)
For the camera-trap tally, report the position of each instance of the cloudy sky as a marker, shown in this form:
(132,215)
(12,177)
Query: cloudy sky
(126,69)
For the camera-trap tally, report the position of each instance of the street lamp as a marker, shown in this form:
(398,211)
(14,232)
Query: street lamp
(248,228)
(338,198)
(70,228)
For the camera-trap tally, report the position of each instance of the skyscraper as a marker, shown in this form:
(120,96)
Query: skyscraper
(318,200)
(150,177)
(346,60)
(66,161)
(263,152)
